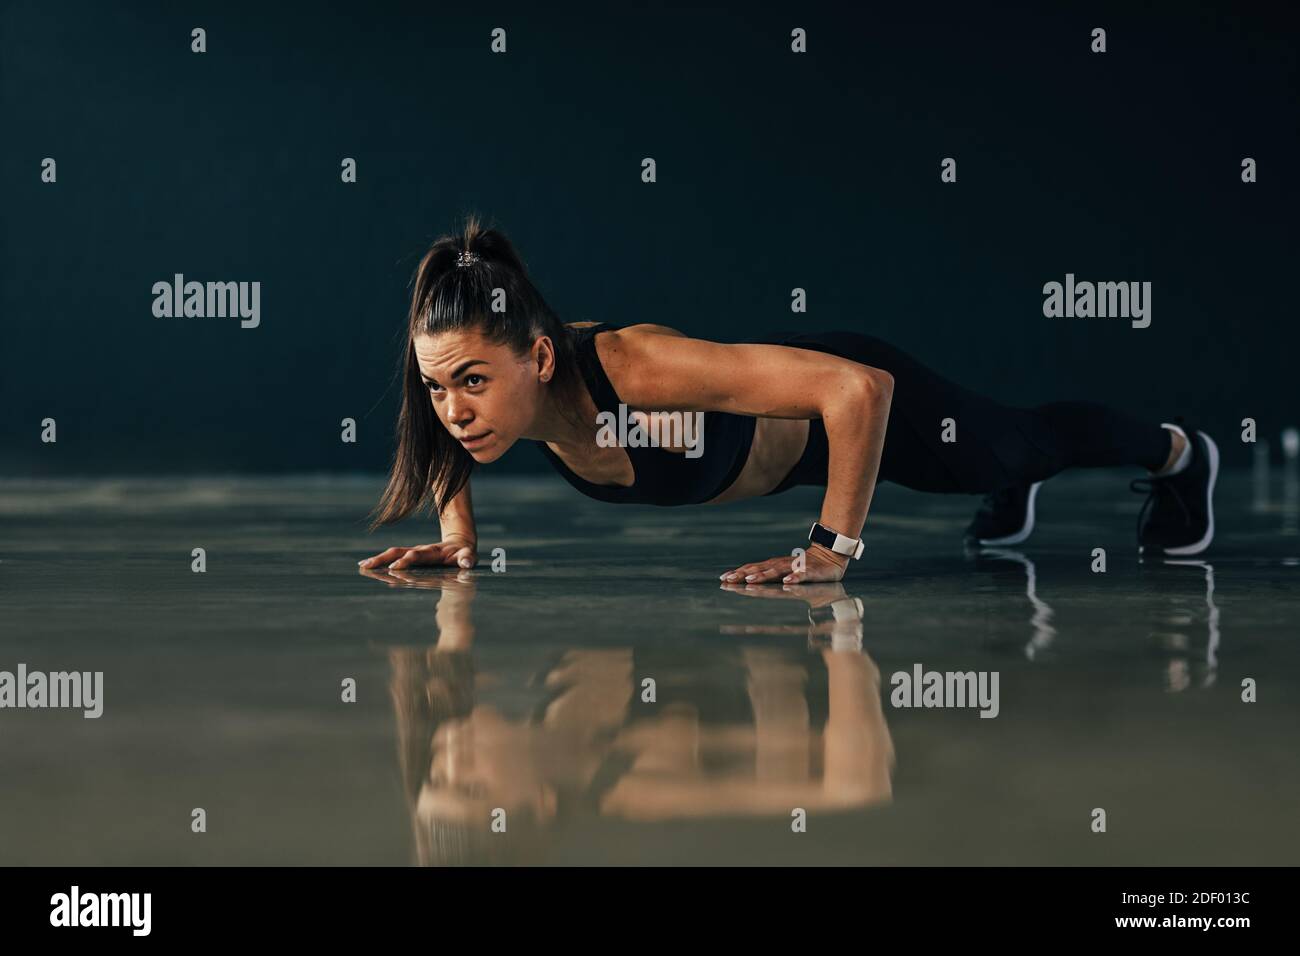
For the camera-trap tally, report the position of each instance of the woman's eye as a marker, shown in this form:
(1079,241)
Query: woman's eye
(469,381)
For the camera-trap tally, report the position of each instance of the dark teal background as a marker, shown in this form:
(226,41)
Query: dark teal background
(775,170)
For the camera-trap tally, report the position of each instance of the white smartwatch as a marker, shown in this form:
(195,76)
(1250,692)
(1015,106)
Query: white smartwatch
(840,544)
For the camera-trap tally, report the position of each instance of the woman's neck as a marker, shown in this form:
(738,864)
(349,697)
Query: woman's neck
(569,429)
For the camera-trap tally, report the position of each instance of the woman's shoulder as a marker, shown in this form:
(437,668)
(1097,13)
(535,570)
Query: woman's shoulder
(623,348)
(641,328)
(630,357)
(616,346)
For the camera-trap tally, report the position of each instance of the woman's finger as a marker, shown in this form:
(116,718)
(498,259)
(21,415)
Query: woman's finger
(765,573)
(746,571)
(383,557)
(738,573)
(425,554)
(465,557)
(758,572)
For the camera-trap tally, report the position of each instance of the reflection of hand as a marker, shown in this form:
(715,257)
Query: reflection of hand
(820,564)
(455,549)
(447,581)
(836,612)
(814,595)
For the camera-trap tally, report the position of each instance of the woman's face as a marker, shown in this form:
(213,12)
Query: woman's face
(480,390)
(481,762)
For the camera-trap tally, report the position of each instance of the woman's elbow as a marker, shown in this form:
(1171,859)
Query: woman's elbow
(875,385)
(864,390)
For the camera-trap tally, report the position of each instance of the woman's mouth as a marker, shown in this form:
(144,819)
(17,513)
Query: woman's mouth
(475,441)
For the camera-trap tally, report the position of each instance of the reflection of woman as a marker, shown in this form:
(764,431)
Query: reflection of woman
(778,762)
(462,760)
(460,763)
(488,363)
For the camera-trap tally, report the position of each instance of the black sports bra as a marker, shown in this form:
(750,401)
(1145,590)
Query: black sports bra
(662,477)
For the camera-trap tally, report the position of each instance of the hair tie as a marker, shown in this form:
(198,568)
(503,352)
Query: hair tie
(466,259)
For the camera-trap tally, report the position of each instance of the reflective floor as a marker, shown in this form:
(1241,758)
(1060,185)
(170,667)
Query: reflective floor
(604,699)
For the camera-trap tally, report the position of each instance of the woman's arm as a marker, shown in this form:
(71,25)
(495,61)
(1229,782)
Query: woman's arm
(458,518)
(855,435)
(667,373)
(459,544)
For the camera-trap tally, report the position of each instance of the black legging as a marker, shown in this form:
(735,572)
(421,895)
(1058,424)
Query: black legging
(997,446)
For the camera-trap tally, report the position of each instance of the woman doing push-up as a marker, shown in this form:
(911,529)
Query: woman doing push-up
(488,363)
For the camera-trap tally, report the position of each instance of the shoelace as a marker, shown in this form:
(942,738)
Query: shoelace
(1152,486)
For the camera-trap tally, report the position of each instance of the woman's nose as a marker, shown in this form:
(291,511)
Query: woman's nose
(458,412)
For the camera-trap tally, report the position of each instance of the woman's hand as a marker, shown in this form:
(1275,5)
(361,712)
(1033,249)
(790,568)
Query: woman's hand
(455,549)
(820,564)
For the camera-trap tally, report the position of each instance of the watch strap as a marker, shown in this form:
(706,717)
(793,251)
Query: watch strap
(839,543)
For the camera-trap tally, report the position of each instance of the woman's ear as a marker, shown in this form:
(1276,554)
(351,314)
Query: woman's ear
(544,358)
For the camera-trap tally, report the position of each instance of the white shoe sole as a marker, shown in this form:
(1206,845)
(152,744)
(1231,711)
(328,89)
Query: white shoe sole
(1204,543)
(1025,530)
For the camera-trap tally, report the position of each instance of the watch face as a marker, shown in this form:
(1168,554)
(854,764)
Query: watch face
(826,537)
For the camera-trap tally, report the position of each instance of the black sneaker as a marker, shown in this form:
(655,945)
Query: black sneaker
(1178,515)
(1005,517)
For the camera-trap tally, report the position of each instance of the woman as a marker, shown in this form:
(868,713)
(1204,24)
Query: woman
(488,363)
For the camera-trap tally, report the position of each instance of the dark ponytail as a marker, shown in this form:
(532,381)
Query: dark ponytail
(448,296)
